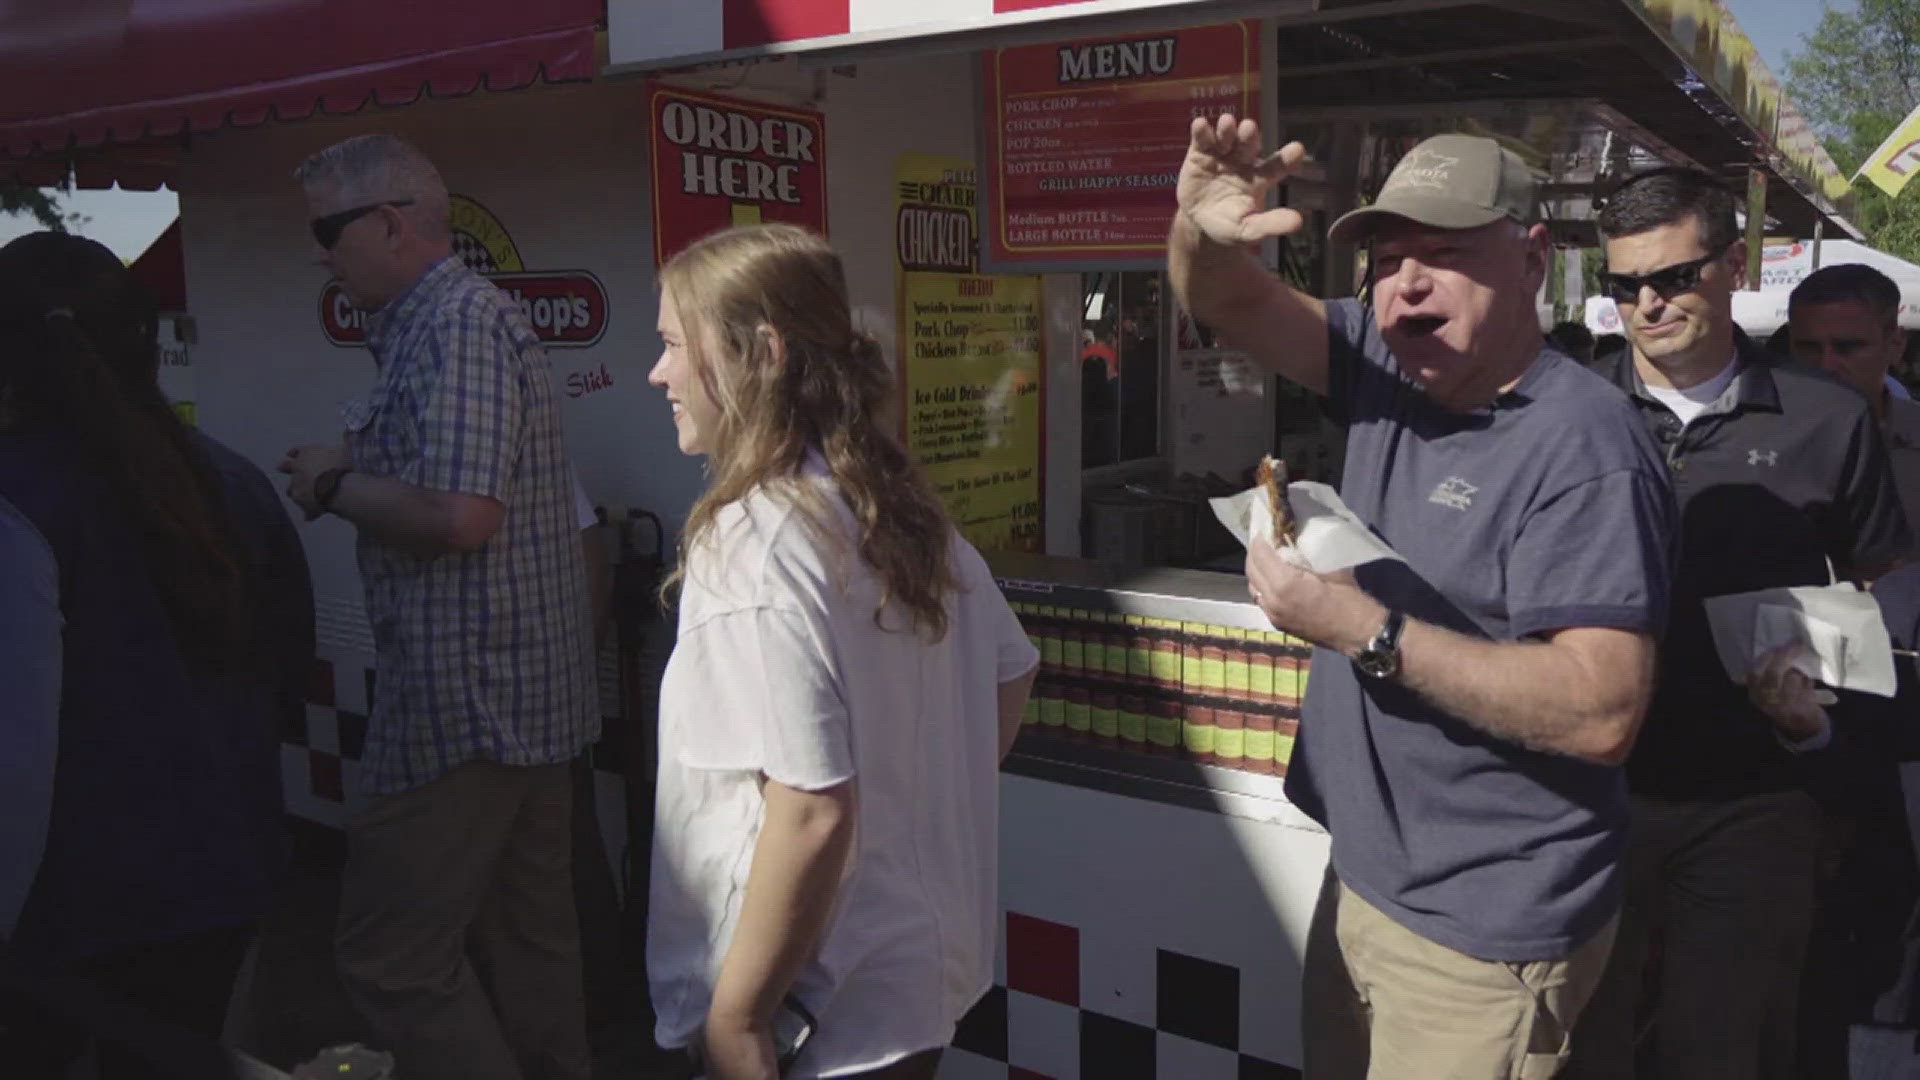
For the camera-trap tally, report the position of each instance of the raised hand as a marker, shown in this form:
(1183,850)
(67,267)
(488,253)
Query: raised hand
(1225,179)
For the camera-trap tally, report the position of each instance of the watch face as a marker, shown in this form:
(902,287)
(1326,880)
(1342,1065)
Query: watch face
(1381,657)
(1379,664)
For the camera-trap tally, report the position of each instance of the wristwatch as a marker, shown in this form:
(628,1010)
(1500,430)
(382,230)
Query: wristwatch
(327,485)
(1380,657)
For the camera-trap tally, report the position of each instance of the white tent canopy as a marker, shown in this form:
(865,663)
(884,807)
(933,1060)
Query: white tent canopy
(1782,266)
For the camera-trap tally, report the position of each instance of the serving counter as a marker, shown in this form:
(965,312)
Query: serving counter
(1156,884)
(1156,683)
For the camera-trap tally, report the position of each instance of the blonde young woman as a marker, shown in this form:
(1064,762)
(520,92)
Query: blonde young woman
(845,683)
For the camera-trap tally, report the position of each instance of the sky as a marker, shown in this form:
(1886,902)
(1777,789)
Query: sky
(127,221)
(1776,26)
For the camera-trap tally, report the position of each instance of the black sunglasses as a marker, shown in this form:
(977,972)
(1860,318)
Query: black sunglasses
(327,230)
(1666,282)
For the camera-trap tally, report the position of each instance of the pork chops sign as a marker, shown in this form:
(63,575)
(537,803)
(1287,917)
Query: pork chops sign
(567,308)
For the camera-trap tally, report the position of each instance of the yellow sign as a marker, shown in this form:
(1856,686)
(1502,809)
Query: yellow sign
(970,361)
(480,239)
(1894,161)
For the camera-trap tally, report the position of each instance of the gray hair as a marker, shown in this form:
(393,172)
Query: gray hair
(381,168)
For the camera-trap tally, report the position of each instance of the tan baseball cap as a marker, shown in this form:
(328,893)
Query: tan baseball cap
(1447,182)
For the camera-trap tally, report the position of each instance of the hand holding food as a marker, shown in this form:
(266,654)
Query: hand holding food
(1273,481)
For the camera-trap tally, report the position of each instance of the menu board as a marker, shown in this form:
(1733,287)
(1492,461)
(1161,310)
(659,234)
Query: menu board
(970,361)
(720,161)
(1087,138)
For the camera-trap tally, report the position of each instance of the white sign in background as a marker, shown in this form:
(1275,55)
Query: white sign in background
(1223,413)
(176,361)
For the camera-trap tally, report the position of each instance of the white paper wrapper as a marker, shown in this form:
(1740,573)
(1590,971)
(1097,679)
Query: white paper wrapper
(1824,651)
(1839,624)
(1331,537)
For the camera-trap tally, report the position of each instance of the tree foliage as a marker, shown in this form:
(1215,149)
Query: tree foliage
(1856,77)
(16,198)
(1859,71)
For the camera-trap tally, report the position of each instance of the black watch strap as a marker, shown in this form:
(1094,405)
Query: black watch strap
(1389,636)
(1381,656)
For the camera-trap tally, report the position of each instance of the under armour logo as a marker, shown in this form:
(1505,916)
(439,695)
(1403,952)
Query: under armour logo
(1453,493)
(1763,457)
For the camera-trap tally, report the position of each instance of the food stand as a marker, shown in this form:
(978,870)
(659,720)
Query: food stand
(995,174)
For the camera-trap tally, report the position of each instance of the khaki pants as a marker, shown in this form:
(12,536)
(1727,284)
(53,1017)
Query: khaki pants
(1727,888)
(457,937)
(1384,1003)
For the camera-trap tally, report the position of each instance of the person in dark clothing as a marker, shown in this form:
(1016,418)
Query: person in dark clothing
(1862,953)
(1574,339)
(1782,480)
(265,690)
(141,832)
(282,654)
(1099,411)
(1780,342)
(1896,995)
(1845,320)
(1138,389)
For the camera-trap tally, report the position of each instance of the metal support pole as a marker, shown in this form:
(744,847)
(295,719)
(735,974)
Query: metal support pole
(1574,283)
(1756,224)
(1343,194)
(1819,230)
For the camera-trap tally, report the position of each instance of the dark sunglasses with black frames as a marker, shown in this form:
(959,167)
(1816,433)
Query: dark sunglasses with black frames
(1666,282)
(327,230)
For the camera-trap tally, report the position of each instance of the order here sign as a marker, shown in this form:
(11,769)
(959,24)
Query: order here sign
(720,161)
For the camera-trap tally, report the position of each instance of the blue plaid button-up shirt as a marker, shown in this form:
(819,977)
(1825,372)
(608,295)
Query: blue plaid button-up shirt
(485,654)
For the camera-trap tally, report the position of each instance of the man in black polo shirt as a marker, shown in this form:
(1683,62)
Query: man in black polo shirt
(1469,709)
(1780,473)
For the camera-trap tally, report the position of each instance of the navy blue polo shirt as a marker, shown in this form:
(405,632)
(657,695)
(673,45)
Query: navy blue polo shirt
(1547,510)
(1782,481)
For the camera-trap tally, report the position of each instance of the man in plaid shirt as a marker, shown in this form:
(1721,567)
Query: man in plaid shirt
(454,473)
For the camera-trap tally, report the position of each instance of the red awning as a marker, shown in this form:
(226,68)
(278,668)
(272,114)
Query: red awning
(105,85)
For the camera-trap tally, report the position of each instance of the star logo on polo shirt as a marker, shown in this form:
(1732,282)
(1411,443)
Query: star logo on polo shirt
(1763,457)
(1453,493)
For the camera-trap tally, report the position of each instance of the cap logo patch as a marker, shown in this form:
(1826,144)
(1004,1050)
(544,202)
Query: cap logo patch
(1423,168)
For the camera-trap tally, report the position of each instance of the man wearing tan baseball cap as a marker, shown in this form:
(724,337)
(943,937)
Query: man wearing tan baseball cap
(1447,182)
(1462,736)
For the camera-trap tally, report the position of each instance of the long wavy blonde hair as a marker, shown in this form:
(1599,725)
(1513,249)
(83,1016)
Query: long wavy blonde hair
(770,333)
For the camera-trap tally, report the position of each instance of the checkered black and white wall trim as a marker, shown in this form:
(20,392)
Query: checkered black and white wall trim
(1128,1012)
